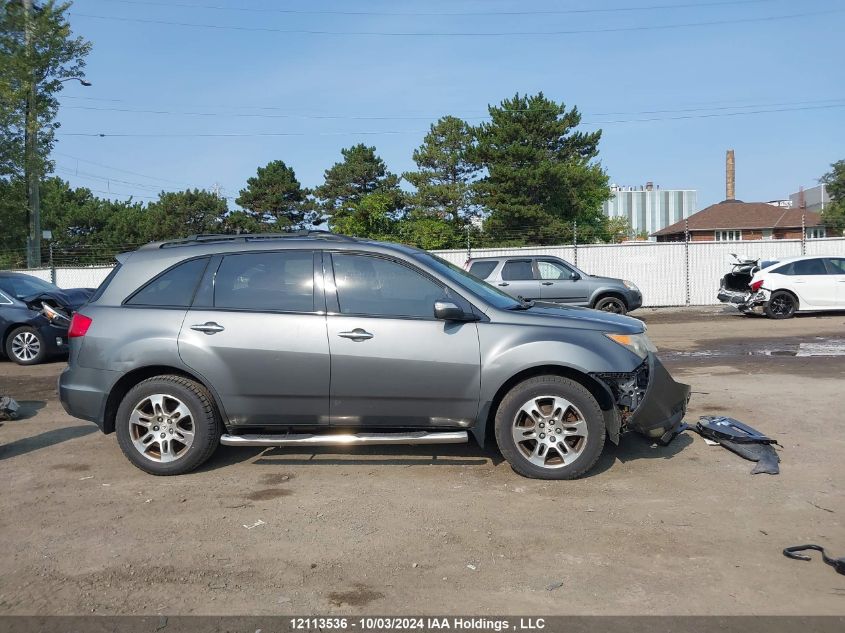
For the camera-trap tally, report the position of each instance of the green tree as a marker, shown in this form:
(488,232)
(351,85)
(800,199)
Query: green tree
(37,52)
(540,172)
(444,175)
(833,215)
(371,216)
(275,198)
(182,213)
(348,182)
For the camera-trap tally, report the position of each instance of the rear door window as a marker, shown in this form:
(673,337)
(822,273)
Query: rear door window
(809,267)
(517,270)
(274,281)
(836,265)
(173,288)
(482,270)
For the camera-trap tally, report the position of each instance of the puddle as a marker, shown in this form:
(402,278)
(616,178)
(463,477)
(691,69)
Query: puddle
(820,347)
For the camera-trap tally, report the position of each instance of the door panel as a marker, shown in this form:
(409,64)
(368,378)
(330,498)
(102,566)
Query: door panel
(392,363)
(812,283)
(258,340)
(411,373)
(836,266)
(518,280)
(556,283)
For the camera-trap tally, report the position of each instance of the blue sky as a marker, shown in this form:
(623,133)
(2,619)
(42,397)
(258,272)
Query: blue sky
(317,92)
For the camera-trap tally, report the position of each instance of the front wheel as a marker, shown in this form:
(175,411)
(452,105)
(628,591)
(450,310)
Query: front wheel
(614,305)
(550,427)
(781,305)
(168,425)
(26,346)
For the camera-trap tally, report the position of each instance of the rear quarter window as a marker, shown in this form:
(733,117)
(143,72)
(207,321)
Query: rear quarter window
(174,288)
(482,270)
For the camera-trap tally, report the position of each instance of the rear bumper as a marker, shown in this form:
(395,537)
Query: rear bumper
(83,393)
(664,404)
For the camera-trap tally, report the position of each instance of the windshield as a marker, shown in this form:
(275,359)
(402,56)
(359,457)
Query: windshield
(26,286)
(463,279)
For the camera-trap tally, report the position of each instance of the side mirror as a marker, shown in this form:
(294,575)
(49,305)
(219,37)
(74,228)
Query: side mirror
(575,276)
(448,311)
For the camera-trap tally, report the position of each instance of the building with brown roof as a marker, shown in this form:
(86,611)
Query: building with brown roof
(736,220)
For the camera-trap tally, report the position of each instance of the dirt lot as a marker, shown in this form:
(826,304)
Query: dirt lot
(675,530)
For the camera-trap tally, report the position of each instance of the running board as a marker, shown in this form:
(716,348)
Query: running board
(346,439)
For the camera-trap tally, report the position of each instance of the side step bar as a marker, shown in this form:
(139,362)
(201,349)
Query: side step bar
(347,439)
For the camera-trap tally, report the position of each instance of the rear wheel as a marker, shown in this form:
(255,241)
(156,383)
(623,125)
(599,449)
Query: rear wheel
(781,305)
(611,304)
(168,425)
(26,346)
(550,427)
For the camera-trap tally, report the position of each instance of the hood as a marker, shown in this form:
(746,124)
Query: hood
(553,314)
(606,280)
(70,299)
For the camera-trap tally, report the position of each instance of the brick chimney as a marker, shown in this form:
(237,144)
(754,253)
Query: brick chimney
(730,176)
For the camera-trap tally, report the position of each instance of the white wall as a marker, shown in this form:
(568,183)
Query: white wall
(659,269)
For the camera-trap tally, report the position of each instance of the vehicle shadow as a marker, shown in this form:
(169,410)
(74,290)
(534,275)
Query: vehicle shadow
(634,447)
(469,454)
(29,408)
(43,440)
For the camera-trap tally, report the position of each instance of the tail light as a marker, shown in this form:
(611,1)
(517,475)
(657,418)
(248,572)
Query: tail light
(79,325)
(755,286)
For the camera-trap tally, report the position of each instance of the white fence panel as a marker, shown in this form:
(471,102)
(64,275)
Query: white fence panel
(657,269)
(709,261)
(81,277)
(459,257)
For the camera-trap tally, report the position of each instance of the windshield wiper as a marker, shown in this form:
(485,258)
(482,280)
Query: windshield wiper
(524,303)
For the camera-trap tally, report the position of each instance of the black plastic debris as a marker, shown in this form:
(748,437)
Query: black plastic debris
(743,440)
(8,408)
(838,564)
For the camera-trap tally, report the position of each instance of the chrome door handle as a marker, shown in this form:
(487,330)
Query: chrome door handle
(208,328)
(356,335)
(547,283)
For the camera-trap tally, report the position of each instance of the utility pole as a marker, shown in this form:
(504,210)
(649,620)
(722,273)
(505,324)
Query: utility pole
(33,178)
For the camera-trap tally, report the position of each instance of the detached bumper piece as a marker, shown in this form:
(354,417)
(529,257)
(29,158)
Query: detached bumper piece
(743,440)
(649,400)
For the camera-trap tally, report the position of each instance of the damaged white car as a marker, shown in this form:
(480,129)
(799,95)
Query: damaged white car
(780,288)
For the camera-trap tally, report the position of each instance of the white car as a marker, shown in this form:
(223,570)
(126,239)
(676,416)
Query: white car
(798,284)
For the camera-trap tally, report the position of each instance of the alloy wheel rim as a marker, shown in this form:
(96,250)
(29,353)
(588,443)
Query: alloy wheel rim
(550,431)
(612,306)
(781,305)
(26,346)
(161,428)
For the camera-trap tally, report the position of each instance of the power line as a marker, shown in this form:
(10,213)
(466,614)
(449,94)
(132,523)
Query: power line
(113,168)
(658,7)
(417,118)
(394,132)
(649,27)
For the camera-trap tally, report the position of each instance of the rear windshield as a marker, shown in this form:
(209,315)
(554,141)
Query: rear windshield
(104,284)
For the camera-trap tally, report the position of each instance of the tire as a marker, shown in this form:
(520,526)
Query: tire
(581,435)
(781,305)
(611,304)
(26,346)
(186,407)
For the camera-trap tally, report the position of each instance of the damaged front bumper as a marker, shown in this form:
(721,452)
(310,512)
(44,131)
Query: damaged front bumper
(649,400)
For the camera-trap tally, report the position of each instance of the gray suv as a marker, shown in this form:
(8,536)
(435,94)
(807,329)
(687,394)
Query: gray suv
(547,278)
(319,339)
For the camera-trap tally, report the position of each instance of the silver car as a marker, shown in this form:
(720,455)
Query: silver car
(319,339)
(549,278)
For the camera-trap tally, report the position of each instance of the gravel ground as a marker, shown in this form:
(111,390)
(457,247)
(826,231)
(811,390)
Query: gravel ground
(683,529)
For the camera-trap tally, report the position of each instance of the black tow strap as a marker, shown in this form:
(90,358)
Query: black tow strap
(838,564)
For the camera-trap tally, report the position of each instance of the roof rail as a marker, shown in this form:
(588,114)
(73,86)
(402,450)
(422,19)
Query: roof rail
(207,238)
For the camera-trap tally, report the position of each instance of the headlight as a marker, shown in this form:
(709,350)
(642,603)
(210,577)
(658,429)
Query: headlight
(640,344)
(630,285)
